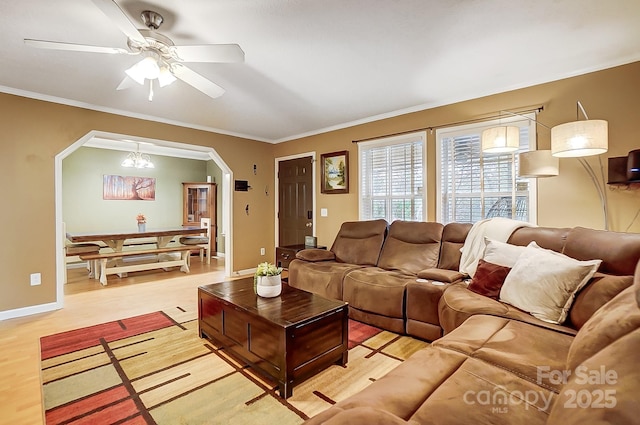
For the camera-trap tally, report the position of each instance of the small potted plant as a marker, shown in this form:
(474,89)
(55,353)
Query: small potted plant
(142,220)
(267,280)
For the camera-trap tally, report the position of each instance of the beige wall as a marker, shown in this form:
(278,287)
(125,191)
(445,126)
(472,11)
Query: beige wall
(35,131)
(567,200)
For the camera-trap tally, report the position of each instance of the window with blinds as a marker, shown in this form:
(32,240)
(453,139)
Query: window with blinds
(473,186)
(392,178)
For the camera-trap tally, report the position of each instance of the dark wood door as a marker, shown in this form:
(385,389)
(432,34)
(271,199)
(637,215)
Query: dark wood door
(295,212)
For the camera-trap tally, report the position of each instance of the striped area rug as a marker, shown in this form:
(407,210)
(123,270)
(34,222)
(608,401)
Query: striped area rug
(154,369)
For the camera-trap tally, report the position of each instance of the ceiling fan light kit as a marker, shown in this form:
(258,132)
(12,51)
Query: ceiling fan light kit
(147,68)
(163,60)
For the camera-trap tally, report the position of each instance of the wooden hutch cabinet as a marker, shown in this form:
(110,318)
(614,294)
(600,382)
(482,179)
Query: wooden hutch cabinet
(199,201)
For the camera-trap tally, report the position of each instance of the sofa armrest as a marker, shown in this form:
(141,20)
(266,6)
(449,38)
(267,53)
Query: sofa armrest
(441,275)
(315,254)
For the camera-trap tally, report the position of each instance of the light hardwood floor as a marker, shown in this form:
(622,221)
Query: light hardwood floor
(86,303)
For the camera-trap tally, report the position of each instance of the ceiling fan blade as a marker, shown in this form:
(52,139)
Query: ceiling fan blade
(54,45)
(126,83)
(210,53)
(197,81)
(113,12)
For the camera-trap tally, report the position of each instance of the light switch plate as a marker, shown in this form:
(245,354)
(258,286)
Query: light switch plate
(324,212)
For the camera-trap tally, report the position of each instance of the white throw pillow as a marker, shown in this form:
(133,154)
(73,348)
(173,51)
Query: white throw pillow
(501,253)
(544,282)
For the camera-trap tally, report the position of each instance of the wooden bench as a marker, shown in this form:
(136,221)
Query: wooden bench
(106,269)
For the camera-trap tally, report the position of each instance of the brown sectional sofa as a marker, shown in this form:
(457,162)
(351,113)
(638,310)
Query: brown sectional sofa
(376,268)
(494,370)
(496,364)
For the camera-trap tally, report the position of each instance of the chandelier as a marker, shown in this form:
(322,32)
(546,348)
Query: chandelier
(137,160)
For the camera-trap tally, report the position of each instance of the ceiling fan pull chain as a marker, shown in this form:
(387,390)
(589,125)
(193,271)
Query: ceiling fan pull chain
(150,90)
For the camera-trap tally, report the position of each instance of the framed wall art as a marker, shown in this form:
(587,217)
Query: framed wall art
(335,172)
(128,188)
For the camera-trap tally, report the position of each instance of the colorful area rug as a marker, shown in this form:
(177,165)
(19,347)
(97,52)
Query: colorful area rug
(154,369)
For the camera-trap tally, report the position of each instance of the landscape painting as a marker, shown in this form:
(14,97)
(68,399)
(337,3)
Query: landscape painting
(335,172)
(128,188)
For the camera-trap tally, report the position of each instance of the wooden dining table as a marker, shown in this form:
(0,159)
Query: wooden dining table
(116,240)
(114,264)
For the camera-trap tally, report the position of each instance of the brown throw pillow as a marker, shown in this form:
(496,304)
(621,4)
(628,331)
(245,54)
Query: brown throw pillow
(488,279)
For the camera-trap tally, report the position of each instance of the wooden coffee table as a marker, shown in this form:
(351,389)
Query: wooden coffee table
(290,337)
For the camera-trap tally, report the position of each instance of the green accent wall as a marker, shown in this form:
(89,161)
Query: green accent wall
(85,210)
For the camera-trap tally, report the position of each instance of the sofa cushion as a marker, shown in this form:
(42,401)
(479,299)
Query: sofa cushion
(315,254)
(453,237)
(511,344)
(488,279)
(544,282)
(360,242)
(604,350)
(618,251)
(458,303)
(611,397)
(403,390)
(445,383)
(411,246)
(376,290)
(546,237)
(601,289)
(617,318)
(324,278)
(485,393)
(422,309)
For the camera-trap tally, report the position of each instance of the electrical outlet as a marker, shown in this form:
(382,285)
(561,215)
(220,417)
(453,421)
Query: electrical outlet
(36,279)
(262,251)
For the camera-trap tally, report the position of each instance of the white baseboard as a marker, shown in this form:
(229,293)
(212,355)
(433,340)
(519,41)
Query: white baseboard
(27,311)
(245,272)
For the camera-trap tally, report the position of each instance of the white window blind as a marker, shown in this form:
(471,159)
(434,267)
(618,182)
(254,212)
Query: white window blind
(473,186)
(392,178)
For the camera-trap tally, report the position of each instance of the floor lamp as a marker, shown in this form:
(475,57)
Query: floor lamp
(578,139)
(540,163)
(575,139)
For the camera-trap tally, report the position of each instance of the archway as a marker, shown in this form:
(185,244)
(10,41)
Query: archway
(91,137)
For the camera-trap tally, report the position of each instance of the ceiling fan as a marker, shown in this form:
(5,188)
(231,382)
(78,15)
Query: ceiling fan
(163,60)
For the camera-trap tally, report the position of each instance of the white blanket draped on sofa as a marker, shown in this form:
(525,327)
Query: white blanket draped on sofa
(497,228)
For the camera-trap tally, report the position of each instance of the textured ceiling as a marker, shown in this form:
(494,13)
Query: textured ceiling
(316,65)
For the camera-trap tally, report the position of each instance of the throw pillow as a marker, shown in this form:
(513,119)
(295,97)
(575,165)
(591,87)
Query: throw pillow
(488,279)
(544,282)
(501,253)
